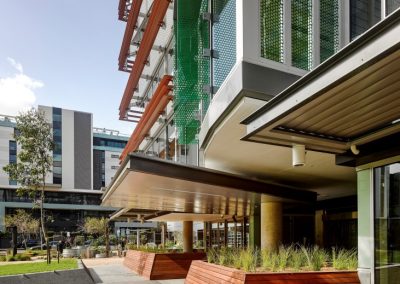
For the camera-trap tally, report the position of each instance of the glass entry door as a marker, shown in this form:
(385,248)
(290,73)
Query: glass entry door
(387,223)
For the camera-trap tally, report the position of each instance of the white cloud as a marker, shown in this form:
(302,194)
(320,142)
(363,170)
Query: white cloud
(15,64)
(17,91)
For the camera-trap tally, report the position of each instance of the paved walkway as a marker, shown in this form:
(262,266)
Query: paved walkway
(111,270)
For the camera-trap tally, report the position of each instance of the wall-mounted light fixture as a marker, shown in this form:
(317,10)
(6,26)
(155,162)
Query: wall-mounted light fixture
(298,155)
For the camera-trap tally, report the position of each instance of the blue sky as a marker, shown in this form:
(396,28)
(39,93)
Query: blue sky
(62,53)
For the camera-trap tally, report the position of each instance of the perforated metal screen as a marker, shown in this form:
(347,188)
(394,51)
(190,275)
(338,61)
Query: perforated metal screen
(329,28)
(224,39)
(271,28)
(191,67)
(302,34)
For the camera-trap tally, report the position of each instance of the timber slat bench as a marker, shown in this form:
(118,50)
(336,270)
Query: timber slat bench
(159,266)
(201,272)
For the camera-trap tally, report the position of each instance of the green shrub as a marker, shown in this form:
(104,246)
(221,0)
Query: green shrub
(79,240)
(284,254)
(343,259)
(131,246)
(249,259)
(269,260)
(22,257)
(212,255)
(11,258)
(315,256)
(3,258)
(225,256)
(297,259)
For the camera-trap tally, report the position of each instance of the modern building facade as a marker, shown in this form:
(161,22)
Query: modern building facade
(84,159)
(278,114)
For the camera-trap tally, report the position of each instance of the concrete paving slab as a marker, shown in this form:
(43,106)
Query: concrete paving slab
(112,271)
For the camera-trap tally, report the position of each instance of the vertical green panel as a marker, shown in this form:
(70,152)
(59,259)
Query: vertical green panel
(302,34)
(271,28)
(191,67)
(329,28)
(365,239)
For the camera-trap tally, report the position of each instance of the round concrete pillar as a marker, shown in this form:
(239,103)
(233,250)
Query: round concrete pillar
(271,225)
(187,236)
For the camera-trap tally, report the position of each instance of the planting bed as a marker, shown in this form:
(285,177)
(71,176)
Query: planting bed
(203,272)
(157,266)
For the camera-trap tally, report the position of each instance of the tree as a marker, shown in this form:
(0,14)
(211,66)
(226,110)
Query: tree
(25,223)
(100,227)
(34,160)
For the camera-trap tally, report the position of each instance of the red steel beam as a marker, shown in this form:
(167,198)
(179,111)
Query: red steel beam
(130,27)
(154,108)
(155,21)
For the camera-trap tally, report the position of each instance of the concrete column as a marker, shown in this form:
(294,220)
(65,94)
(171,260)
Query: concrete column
(187,236)
(137,238)
(218,236)
(205,236)
(319,228)
(271,225)
(163,231)
(254,227)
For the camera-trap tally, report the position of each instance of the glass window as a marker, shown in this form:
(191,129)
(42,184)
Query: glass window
(12,157)
(387,223)
(391,6)
(57,151)
(363,15)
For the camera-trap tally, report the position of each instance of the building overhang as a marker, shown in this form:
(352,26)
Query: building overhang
(350,100)
(246,80)
(163,187)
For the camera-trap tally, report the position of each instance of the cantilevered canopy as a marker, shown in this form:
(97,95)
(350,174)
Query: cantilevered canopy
(162,187)
(350,100)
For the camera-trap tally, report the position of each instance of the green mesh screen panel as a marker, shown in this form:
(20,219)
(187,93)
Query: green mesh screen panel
(329,28)
(271,28)
(224,39)
(191,67)
(302,33)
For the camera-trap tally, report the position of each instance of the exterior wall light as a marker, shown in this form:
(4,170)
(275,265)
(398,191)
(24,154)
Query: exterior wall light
(298,155)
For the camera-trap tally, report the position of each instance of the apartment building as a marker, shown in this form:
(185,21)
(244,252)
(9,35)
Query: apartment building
(84,160)
(282,115)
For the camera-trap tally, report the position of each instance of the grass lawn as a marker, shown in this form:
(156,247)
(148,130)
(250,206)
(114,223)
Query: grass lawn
(33,267)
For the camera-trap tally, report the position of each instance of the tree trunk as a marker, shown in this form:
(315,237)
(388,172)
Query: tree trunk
(107,241)
(24,241)
(42,221)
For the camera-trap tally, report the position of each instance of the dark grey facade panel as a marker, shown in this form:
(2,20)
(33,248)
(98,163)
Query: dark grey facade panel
(97,170)
(83,150)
